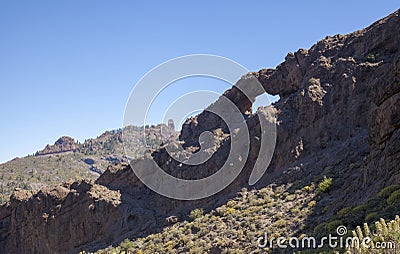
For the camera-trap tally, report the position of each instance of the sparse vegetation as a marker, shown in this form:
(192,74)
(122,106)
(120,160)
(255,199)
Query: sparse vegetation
(237,224)
(325,184)
(385,204)
(230,228)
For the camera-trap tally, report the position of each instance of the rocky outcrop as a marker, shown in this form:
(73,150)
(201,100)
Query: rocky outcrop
(62,145)
(71,217)
(339,103)
(338,115)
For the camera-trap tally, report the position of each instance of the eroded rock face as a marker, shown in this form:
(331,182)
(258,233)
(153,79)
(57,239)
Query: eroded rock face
(67,218)
(338,111)
(79,208)
(340,99)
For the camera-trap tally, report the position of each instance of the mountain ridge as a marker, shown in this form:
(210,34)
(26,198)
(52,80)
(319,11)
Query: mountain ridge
(68,159)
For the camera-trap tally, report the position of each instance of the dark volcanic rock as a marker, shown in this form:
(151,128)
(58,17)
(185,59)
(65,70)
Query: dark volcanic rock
(338,111)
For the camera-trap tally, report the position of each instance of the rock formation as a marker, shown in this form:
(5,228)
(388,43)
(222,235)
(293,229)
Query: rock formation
(62,145)
(338,111)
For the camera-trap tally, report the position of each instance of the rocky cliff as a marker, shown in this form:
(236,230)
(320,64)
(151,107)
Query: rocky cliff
(338,115)
(339,106)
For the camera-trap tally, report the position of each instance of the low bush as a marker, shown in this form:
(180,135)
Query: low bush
(325,184)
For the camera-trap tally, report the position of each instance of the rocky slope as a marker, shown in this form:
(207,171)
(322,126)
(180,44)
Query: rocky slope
(338,117)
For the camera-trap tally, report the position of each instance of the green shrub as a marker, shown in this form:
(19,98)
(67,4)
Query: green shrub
(325,184)
(333,225)
(326,208)
(360,208)
(320,230)
(127,245)
(196,213)
(345,211)
(371,217)
(313,81)
(371,57)
(394,198)
(386,192)
(311,204)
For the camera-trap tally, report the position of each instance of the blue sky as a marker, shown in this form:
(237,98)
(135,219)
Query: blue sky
(68,67)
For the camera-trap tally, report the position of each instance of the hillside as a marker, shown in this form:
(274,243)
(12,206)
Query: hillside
(68,159)
(236,226)
(336,162)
